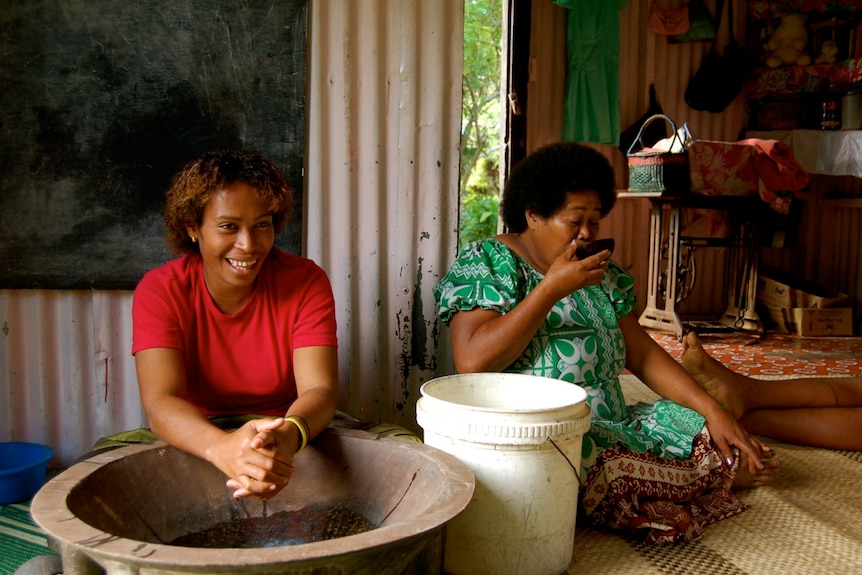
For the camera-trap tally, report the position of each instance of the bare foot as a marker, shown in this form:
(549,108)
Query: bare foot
(745,479)
(727,387)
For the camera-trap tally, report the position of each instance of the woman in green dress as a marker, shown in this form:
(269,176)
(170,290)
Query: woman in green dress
(524,302)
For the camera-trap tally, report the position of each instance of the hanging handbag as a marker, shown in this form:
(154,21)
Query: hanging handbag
(702,25)
(667,20)
(719,78)
(658,171)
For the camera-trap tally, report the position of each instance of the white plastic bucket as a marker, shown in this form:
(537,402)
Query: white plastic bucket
(521,436)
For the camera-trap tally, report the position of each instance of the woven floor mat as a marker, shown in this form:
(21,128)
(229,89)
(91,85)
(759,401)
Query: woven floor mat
(20,538)
(808,521)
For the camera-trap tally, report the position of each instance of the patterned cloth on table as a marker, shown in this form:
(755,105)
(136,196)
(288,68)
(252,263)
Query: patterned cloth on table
(747,167)
(580,342)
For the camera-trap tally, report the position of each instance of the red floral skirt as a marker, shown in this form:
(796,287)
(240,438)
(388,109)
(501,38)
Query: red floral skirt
(670,500)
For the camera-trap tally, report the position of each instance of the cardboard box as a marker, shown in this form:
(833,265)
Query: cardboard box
(777,290)
(812,322)
(802,307)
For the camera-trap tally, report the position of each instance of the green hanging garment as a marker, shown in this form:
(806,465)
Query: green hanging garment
(592,104)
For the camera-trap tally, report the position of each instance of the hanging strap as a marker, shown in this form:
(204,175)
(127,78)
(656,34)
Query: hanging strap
(650,61)
(719,12)
(730,26)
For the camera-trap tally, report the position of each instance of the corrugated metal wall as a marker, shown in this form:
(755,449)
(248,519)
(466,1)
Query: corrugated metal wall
(826,245)
(829,251)
(67,376)
(383,108)
(385,116)
(644,58)
(838,260)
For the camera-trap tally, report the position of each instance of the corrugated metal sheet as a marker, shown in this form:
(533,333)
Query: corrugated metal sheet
(827,241)
(66,371)
(840,259)
(834,240)
(385,114)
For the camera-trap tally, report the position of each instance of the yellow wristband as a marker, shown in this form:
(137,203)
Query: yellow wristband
(710,412)
(300,424)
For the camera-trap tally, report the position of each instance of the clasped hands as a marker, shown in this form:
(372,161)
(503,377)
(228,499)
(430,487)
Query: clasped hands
(258,457)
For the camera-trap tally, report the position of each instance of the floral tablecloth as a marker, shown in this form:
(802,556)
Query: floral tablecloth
(765,167)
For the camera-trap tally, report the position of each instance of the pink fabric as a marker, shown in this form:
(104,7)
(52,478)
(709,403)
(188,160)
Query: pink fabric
(241,363)
(776,166)
(746,167)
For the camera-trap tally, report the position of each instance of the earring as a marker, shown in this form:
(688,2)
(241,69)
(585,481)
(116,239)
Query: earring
(194,239)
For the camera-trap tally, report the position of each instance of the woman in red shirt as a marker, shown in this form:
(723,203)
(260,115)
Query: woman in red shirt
(235,326)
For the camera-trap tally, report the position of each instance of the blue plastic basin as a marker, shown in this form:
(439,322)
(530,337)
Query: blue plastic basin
(22,470)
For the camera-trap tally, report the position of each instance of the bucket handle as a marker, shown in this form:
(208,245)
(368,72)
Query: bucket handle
(569,461)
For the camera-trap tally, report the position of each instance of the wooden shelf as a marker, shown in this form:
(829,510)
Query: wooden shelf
(626,195)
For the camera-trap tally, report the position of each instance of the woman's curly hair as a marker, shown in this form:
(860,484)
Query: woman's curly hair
(540,182)
(195,185)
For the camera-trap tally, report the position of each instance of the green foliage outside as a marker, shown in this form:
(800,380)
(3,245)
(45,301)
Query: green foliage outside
(480,203)
(480,120)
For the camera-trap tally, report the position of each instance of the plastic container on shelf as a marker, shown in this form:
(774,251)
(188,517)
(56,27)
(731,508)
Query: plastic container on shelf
(830,117)
(851,111)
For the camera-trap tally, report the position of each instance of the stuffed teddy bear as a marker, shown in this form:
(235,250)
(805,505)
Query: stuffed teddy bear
(827,52)
(788,42)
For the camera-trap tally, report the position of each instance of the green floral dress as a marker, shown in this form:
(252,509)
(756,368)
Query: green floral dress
(580,341)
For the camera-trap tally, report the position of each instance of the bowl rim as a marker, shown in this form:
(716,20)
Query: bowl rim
(576,395)
(50,511)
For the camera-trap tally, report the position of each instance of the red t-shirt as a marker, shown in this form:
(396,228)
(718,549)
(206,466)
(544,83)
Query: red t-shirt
(239,364)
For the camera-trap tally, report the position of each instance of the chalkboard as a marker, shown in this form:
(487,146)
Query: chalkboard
(101,102)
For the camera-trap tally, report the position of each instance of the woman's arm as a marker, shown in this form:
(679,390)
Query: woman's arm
(485,340)
(161,380)
(316,371)
(664,375)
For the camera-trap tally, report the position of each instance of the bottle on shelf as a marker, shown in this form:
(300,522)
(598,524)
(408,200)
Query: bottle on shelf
(830,117)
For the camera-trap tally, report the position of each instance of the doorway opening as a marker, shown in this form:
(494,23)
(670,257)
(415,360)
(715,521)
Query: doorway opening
(493,119)
(481,121)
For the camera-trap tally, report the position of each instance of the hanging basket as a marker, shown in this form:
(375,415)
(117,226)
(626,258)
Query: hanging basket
(657,171)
